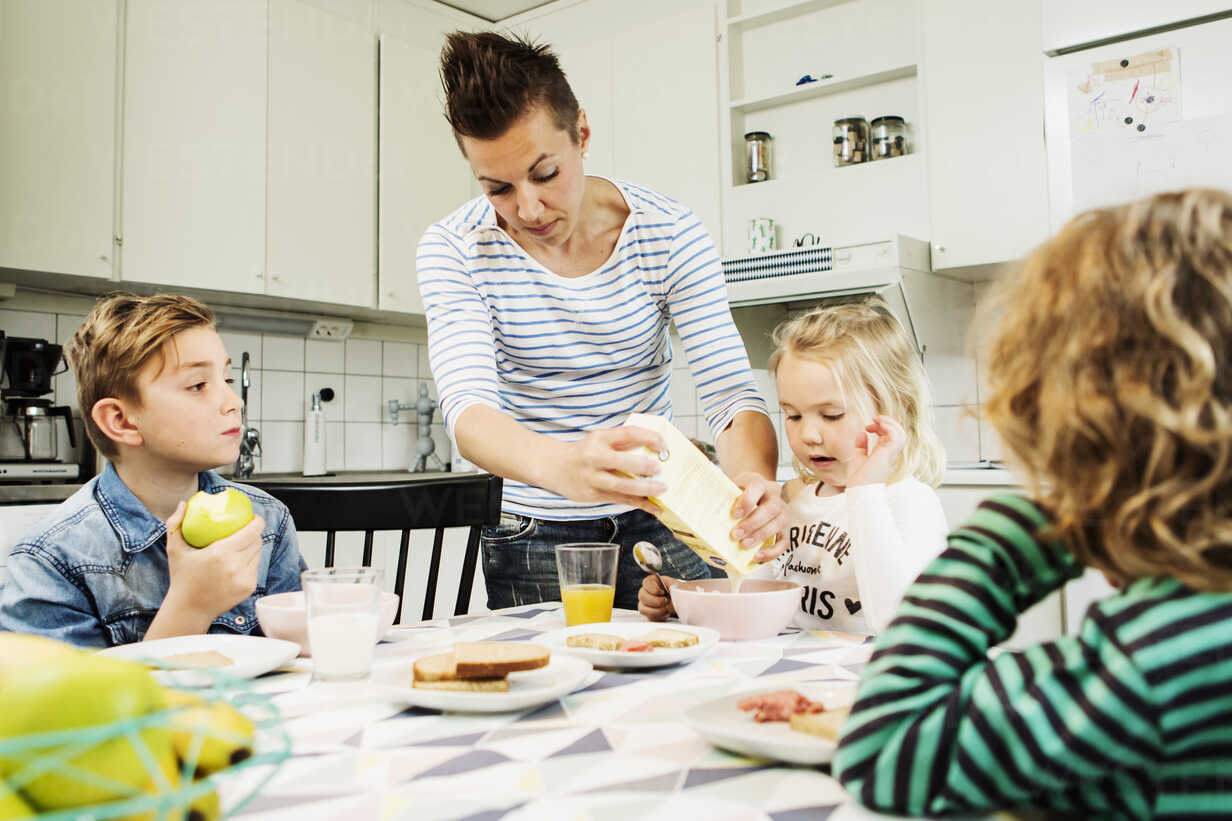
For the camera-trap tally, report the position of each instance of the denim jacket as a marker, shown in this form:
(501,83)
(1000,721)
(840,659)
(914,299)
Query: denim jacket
(94,572)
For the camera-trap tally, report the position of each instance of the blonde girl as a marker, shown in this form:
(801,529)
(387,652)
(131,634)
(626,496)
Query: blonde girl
(862,517)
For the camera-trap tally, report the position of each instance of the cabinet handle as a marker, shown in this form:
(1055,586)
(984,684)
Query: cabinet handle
(939,248)
(260,275)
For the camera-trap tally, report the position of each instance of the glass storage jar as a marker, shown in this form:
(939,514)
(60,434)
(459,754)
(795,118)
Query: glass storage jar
(888,136)
(850,141)
(757,156)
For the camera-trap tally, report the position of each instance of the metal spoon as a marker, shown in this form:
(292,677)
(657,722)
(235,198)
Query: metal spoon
(649,559)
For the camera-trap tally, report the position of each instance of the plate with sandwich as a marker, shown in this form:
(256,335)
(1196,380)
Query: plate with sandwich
(197,661)
(631,645)
(797,724)
(494,677)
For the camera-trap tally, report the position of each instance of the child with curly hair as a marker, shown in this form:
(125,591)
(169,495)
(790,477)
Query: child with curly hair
(1111,388)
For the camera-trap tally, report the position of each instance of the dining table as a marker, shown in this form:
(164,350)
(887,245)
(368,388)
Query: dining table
(617,748)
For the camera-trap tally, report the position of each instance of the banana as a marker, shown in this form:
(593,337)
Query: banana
(208,735)
(12,805)
(205,808)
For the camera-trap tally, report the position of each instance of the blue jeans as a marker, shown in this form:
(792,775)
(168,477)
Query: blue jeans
(519,555)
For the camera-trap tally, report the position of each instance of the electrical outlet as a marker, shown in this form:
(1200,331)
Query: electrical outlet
(331,329)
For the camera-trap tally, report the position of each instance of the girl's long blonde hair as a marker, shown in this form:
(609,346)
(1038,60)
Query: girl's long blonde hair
(1110,373)
(877,368)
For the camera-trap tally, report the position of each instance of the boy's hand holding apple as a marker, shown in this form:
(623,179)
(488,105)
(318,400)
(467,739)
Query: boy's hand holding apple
(209,580)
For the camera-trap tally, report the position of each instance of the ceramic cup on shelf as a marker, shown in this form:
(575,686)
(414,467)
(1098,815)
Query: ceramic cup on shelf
(761,235)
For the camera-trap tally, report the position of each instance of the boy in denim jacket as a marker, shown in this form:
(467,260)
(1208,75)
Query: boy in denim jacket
(109,566)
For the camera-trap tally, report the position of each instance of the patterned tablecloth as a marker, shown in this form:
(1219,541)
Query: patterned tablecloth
(616,749)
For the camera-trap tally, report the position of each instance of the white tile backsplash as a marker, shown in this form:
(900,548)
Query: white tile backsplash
(363,446)
(324,357)
(990,443)
(282,396)
(236,343)
(282,353)
(335,409)
(335,446)
(363,356)
(362,396)
(282,447)
(406,391)
(399,359)
(425,366)
(397,446)
(32,324)
(66,326)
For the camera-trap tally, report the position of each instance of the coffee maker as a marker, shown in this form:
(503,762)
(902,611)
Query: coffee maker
(29,442)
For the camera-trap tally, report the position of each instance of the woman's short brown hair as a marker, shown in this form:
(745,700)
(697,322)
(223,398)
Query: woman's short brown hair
(1111,385)
(491,80)
(122,334)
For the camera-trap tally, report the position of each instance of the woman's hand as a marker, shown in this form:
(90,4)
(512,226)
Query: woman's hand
(653,601)
(759,514)
(875,468)
(612,465)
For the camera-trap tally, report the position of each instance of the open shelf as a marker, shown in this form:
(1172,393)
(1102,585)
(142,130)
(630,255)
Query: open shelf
(822,88)
(781,11)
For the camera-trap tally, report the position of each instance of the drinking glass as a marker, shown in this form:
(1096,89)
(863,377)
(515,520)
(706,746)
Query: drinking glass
(343,620)
(587,580)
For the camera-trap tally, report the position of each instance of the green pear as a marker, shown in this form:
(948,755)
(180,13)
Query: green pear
(213,516)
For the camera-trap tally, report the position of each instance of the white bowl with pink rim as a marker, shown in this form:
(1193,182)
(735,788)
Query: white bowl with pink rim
(285,616)
(761,609)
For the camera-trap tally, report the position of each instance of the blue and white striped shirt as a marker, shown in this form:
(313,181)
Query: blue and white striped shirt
(567,355)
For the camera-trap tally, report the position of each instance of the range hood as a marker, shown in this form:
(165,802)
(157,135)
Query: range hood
(934,309)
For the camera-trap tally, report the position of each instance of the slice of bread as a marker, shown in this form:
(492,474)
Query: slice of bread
(440,667)
(493,659)
(474,685)
(666,637)
(595,641)
(825,725)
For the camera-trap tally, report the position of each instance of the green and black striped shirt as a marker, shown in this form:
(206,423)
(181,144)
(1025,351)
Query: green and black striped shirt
(1132,718)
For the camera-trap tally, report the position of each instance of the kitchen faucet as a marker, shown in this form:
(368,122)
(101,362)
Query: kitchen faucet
(250,438)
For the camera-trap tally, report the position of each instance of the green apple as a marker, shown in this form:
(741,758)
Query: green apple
(213,516)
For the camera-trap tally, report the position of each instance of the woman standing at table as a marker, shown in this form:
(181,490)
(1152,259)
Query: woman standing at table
(548,301)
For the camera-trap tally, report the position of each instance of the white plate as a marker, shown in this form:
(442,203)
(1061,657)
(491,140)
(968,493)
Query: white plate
(724,724)
(529,688)
(707,639)
(250,656)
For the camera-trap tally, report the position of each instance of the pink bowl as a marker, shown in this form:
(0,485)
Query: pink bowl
(285,616)
(761,609)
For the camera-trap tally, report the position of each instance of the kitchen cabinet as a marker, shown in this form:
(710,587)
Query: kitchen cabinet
(321,207)
(57,135)
(663,110)
(982,77)
(423,174)
(194,163)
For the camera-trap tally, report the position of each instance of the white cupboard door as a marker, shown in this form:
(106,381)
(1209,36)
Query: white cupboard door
(984,94)
(194,144)
(423,175)
(1068,24)
(57,135)
(665,111)
(322,156)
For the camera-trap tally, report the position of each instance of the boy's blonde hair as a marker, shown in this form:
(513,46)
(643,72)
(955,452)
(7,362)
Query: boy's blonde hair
(873,361)
(1111,385)
(122,334)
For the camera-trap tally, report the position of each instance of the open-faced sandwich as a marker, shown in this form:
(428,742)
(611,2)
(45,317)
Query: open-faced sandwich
(802,714)
(478,666)
(662,637)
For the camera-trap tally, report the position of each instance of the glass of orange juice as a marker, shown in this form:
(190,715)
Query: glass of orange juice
(587,580)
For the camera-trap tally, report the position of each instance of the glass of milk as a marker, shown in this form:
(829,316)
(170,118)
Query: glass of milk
(343,620)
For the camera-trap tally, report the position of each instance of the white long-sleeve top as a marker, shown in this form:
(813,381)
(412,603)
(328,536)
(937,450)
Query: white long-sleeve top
(856,552)
(567,355)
